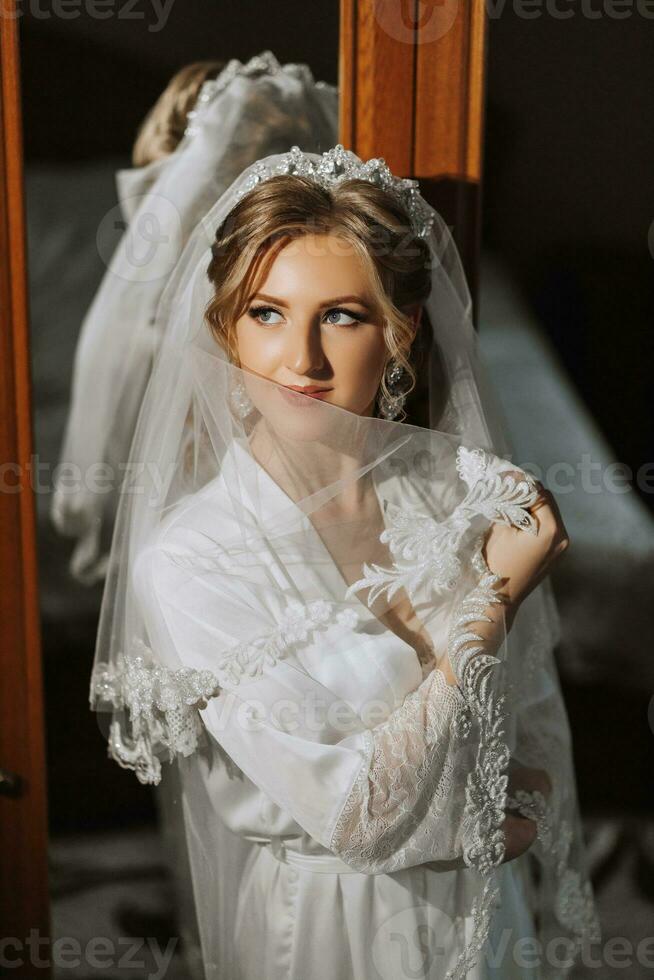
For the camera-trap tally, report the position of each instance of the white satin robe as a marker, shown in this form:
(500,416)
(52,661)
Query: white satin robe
(302,913)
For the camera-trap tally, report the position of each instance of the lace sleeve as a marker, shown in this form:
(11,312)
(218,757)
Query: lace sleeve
(412,802)
(394,814)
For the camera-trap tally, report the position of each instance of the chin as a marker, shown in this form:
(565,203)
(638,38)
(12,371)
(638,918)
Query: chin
(299,417)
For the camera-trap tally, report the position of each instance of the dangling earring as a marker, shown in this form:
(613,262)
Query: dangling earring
(240,400)
(392,405)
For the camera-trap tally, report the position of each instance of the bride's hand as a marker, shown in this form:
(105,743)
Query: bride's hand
(521,559)
(520,832)
(528,779)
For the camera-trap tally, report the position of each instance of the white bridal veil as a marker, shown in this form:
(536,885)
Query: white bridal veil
(251,109)
(250,644)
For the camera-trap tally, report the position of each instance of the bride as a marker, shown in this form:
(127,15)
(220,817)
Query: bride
(335,624)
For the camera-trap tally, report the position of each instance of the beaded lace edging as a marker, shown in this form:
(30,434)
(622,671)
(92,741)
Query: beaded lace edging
(574,902)
(163,703)
(425,551)
(163,709)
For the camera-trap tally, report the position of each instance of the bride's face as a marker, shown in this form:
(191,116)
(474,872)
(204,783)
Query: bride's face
(312,326)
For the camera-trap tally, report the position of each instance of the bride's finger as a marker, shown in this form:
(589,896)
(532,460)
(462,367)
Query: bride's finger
(544,497)
(519,834)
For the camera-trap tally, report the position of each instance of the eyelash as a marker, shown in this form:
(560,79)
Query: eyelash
(255,311)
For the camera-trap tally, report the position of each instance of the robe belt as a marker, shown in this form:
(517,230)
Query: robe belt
(321,863)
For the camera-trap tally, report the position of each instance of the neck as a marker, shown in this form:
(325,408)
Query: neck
(315,469)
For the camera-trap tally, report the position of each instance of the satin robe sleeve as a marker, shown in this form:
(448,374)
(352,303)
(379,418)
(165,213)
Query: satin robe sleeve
(382,796)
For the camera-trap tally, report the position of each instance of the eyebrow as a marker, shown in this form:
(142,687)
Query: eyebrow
(334,301)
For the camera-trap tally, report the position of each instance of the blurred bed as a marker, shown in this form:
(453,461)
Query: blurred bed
(605,580)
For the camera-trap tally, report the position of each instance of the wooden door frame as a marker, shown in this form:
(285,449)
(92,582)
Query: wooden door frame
(24,900)
(412,90)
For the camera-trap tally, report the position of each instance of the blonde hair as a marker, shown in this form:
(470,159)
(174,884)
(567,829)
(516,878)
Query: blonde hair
(163,127)
(287,207)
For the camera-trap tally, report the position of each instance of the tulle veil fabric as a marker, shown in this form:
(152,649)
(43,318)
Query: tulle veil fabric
(251,109)
(250,639)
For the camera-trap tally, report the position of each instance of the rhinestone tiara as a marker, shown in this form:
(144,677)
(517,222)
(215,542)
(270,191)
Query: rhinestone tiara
(263,64)
(339,164)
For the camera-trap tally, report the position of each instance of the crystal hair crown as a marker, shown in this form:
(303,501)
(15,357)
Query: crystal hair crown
(264,64)
(339,164)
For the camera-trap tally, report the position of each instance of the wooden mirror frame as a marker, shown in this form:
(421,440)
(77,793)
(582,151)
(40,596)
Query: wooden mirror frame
(24,901)
(419,102)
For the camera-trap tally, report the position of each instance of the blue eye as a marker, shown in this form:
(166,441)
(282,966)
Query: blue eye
(338,311)
(263,314)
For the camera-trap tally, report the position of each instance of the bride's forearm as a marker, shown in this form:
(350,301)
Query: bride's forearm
(480,625)
(490,635)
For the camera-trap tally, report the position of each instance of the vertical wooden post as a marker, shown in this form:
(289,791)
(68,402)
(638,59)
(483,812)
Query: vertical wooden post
(412,91)
(24,905)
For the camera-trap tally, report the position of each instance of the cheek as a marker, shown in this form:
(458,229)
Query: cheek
(255,348)
(359,361)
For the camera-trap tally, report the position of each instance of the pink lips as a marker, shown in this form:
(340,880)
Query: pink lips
(294,394)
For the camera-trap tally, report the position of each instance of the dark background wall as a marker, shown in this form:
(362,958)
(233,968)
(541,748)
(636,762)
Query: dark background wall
(87,83)
(569,200)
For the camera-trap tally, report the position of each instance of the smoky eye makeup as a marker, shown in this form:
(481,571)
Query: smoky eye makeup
(258,312)
(343,311)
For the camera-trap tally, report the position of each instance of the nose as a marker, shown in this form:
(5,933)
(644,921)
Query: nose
(304,354)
